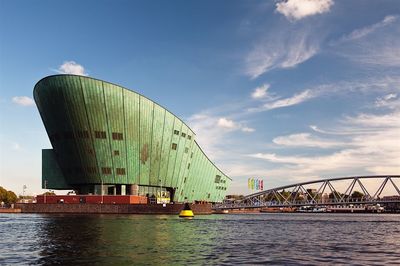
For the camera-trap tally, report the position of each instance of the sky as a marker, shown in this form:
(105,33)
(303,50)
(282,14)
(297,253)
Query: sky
(285,91)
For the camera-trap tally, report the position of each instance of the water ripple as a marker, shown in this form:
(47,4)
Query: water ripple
(276,239)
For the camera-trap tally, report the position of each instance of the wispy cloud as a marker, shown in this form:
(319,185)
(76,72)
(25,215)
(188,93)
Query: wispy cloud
(226,123)
(360,33)
(366,86)
(260,92)
(306,140)
(247,129)
(290,101)
(351,145)
(212,131)
(281,51)
(71,67)
(375,152)
(298,9)
(377,45)
(390,100)
(23,100)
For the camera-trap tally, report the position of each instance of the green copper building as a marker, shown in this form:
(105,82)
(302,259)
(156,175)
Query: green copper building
(111,140)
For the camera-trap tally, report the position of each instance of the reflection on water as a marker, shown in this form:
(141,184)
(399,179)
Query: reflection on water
(215,239)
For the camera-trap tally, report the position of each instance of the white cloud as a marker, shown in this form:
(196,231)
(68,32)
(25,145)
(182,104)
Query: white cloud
(298,9)
(388,100)
(375,152)
(281,51)
(360,33)
(294,100)
(226,123)
(306,140)
(371,85)
(23,100)
(260,92)
(350,146)
(211,131)
(248,129)
(372,47)
(71,67)
(391,120)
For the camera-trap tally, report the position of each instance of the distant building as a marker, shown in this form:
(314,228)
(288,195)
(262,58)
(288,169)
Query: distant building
(110,140)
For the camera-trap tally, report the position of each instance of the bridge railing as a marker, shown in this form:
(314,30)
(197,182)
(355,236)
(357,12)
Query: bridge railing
(287,196)
(299,203)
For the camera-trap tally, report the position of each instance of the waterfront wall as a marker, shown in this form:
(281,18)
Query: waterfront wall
(112,208)
(9,210)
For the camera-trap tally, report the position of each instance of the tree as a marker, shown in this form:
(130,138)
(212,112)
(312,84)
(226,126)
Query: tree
(357,195)
(8,197)
(337,194)
(11,197)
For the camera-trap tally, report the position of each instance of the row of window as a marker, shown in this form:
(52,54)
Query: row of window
(221,188)
(175,147)
(218,180)
(93,170)
(84,134)
(107,171)
(176,132)
(117,153)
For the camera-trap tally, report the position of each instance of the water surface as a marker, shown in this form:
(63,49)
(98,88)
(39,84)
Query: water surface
(290,239)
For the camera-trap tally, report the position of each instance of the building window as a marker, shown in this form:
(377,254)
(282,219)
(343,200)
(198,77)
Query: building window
(82,134)
(174,146)
(120,171)
(100,134)
(116,153)
(217,179)
(184,180)
(183,135)
(189,137)
(117,136)
(106,170)
(176,132)
(92,170)
(186,149)
(191,155)
(209,195)
(188,165)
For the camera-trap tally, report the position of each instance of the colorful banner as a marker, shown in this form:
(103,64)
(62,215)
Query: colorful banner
(255,184)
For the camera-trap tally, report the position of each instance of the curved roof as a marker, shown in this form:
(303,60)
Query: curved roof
(86,77)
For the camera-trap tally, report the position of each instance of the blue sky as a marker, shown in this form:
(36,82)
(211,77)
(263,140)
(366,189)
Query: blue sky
(285,91)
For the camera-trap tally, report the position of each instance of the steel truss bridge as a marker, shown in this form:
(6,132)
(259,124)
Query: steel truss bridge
(315,193)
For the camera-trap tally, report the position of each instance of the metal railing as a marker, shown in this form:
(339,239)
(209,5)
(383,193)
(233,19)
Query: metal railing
(297,195)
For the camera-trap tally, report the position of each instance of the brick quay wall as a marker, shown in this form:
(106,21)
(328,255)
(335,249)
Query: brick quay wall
(111,208)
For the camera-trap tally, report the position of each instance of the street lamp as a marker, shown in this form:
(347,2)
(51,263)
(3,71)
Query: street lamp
(23,192)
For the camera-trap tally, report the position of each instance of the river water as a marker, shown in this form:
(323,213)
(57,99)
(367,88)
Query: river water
(288,239)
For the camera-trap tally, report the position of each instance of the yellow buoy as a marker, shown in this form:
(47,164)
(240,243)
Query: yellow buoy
(186,212)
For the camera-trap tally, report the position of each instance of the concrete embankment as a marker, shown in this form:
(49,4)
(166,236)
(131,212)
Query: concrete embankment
(111,208)
(9,210)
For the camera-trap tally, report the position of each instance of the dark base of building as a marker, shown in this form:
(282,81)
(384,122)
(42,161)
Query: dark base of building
(112,208)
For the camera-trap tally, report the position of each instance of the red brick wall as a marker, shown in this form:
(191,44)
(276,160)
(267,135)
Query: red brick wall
(111,208)
(94,199)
